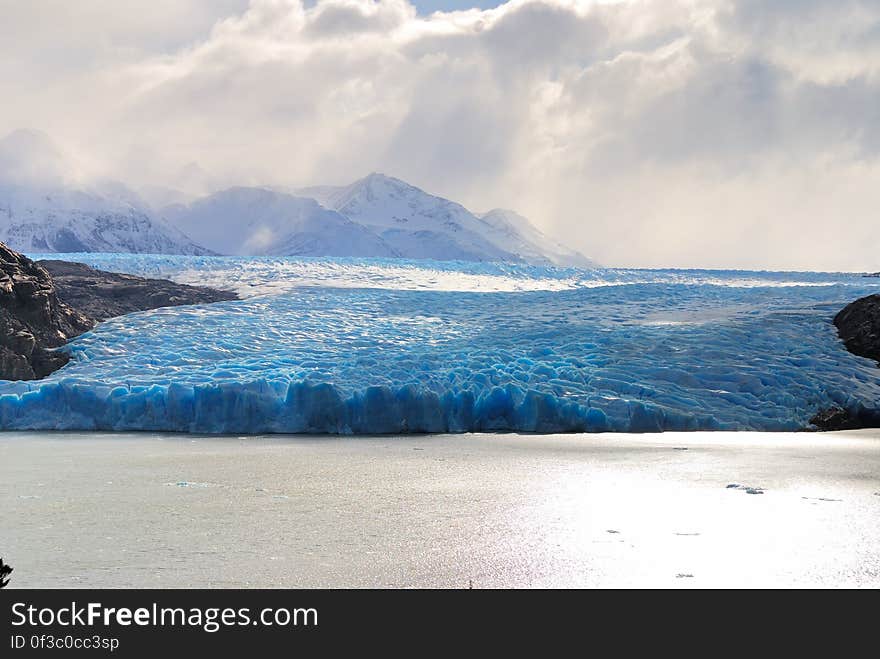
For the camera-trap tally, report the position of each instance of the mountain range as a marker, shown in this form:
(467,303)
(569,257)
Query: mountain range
(44,209)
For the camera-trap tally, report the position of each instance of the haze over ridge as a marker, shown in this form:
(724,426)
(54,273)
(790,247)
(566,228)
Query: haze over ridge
(648,133)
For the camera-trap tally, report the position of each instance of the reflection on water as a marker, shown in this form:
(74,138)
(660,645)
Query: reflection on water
(495,510)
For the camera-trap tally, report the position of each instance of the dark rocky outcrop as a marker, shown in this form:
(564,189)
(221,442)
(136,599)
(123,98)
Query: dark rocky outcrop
(858,324)
(32,319)
(102,295)
(39,313)
(836,418)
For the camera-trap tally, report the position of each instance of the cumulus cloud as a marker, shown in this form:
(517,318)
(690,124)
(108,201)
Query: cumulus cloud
(729,133)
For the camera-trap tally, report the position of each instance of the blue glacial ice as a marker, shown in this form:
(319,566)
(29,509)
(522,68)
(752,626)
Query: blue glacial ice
(374,346)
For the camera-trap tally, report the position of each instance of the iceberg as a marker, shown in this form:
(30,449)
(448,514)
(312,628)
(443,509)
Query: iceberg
(374,346)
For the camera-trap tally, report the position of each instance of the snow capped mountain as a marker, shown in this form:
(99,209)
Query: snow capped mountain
(420,225)
(45,220)
(377,216)
(416,224)
(47,204)
(516,234)
(256,221)
(44,209)
(64,220)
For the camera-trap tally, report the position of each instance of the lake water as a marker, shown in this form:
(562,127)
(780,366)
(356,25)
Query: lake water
(146,510)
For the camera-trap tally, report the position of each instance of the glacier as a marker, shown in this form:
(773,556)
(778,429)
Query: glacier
(372,345)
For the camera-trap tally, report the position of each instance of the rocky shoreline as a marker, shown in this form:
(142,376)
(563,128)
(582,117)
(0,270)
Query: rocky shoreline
(101,295)
(44,305)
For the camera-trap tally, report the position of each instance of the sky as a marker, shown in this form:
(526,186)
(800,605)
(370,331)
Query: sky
(687,133)
(429,6)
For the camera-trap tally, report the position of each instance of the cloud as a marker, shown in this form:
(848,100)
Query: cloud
(732,133)
(346,18)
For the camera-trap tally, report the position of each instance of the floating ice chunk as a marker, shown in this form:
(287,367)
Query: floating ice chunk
(747,489)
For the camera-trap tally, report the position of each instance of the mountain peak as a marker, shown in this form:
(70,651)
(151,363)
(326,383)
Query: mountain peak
(378,182)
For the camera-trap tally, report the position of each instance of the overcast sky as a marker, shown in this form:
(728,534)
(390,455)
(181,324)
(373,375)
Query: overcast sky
(741,133)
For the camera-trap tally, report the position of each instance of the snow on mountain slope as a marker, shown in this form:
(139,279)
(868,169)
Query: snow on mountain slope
(49,204)
(256,221)
(44,207)
(420,225)
(64,220)
(516,234)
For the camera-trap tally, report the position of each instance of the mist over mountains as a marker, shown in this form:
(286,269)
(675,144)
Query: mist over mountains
(47,204)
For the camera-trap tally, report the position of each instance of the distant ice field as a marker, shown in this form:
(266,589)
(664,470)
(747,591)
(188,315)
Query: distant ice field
(389,346)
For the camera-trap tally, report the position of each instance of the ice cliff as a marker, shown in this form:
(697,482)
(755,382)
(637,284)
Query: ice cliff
(384,346)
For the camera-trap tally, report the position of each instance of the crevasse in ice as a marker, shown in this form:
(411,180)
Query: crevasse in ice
(375,346)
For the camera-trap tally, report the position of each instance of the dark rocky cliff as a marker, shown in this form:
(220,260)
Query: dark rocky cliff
(33,320)
(858,324)
(43,305)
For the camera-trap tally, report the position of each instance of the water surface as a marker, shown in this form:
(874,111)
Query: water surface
(137,510)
